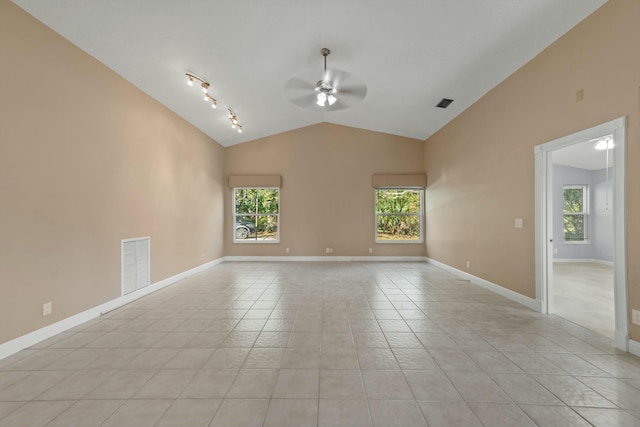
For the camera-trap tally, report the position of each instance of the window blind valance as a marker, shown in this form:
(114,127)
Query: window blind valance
(399,180)
(255,181)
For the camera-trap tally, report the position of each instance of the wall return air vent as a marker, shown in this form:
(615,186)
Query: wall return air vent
(135,264)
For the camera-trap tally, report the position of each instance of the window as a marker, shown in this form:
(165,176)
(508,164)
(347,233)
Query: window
(399,215)
(576,203)
(256,212)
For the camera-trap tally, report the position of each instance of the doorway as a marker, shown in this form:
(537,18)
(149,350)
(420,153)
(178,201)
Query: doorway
(581,285)
(572,229)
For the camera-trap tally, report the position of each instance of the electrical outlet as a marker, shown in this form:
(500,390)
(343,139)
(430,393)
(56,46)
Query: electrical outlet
(518,222)
(330,250)
(46,309)
(287,250)
(370,250)
(326,250)
(468,264)
(635,317)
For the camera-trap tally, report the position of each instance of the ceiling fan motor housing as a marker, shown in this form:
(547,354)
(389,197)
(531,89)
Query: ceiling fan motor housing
(325,86)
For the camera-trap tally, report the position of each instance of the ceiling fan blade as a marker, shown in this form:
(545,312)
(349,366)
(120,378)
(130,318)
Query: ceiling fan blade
(358,91)
(338,105)
(335,75)
(341,77)
(296,83)
(305,101)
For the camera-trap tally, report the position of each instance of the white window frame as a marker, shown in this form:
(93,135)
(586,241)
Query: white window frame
(584,213)
(235,215)
(420,215)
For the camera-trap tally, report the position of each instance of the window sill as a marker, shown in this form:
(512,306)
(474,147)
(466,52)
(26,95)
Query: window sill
(255,242)
(577,242)
(399,242)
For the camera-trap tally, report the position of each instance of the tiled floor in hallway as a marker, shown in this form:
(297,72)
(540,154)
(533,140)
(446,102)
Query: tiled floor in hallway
(322,344)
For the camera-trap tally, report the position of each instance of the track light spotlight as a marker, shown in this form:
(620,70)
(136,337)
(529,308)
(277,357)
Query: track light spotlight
(205,85)
(210,98)
(234,121)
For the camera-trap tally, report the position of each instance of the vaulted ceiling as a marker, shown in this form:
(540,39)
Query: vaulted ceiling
(409,53)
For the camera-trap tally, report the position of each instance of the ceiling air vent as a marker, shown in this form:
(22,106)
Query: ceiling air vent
(444,103)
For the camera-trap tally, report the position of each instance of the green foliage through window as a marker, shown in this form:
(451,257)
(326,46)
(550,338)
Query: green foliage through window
(256,211)
(398,214)
(575,213)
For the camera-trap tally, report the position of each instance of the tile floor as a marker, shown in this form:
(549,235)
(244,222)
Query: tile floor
(322,344)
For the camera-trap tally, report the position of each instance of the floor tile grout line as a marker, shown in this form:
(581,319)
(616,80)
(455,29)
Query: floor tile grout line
(363,388)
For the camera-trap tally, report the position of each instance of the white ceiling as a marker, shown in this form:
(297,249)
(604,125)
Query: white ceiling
(409,53)
(583,156)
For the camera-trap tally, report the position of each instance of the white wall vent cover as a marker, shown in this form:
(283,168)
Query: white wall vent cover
(135,264)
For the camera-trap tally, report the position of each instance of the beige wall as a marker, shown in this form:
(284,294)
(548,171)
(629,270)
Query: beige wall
(86,160)
(326,195)
(480,167)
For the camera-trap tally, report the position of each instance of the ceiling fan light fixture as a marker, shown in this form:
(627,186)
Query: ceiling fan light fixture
(325,98)
(335,85)
(326,90)
(605,143)
(321,99)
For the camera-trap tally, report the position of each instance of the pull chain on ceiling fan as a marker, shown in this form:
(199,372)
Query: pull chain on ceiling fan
(336,90)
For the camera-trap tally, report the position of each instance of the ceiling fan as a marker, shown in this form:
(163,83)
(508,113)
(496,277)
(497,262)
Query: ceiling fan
(336,90)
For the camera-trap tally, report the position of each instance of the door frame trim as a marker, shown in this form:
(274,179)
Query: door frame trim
(543,194)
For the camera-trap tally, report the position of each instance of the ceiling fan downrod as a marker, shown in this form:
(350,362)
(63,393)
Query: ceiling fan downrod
(325,52)
(325,88)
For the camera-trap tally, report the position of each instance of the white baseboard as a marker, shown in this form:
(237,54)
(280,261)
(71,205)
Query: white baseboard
(10,347)
(582,260)
(622,342)
(329,258)
(634,347)
(533,304)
